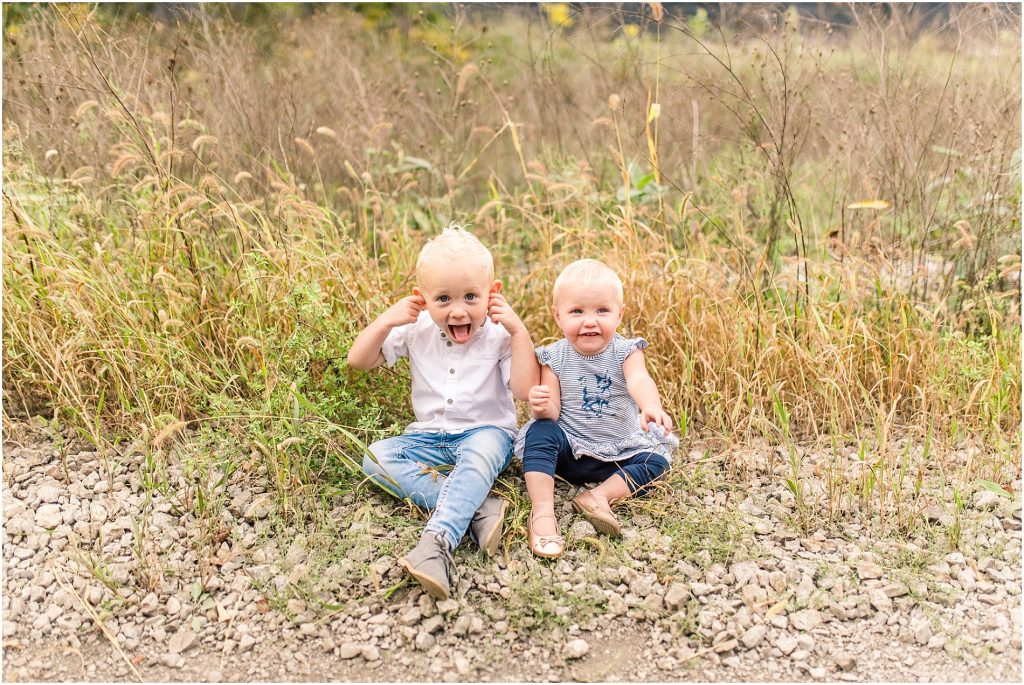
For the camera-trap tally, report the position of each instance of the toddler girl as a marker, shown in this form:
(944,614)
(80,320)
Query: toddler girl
(597,416)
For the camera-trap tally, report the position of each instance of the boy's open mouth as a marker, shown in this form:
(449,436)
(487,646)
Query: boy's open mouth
(590,335)
(461,332)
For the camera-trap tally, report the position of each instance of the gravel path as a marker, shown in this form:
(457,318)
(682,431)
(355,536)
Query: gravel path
(242,595)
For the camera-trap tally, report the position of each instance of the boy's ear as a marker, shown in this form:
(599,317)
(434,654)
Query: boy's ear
(495,287)
(554,312)
(417,292)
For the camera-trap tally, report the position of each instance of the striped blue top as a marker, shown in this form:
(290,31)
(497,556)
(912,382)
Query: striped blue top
(599,416)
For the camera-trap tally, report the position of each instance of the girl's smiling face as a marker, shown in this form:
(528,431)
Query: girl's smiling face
(588,315)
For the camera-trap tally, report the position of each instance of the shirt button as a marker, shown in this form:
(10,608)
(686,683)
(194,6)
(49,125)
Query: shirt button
(449,343)
(451,370)
(450,401)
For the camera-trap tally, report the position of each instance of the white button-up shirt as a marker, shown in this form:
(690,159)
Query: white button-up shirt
(455,386)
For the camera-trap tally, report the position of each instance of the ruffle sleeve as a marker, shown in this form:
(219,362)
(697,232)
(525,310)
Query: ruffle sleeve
(551,355)
(627,346)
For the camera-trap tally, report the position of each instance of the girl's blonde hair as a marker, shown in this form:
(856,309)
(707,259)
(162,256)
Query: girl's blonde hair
(455,242)
(588,272)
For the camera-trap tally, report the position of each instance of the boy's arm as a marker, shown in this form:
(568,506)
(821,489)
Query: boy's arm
(546,398)
(525,371)
(366,353)
(644,392)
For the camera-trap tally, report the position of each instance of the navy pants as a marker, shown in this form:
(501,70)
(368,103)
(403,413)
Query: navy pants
(547,450)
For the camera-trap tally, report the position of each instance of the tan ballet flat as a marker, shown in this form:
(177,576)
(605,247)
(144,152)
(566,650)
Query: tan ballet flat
(540,544)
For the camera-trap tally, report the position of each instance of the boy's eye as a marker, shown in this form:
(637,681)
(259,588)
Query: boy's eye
(576,311)
(602,310)
(442,298)
(470,297)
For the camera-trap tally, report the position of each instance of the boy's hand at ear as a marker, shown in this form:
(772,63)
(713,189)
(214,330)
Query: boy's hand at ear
(405,311)
(499,310)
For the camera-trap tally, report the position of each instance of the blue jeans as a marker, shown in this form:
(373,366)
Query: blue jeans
(548,451)
(406,466)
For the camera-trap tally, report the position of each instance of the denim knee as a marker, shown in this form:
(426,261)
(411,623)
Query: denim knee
(545,440)
(374,466)
(490,449)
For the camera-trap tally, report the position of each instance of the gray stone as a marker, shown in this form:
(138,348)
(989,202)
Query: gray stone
(778,581)
(371,653)
(574,649)
(172,660)
(617,605)
(985,499)
(966,579)
(462,624)
(726,646)
(676,596)
(424,641)
(582,529)
(149,604)
(349,650)
(259,508)
(181,641)
(447,606)
(49,492)
(49,516)
(845,661)
(880,601)
(642,586)
(868,570)
(786,644)
(754,635)
(410,616)
(433,624)
(744,572)
(753,594)
(805,619)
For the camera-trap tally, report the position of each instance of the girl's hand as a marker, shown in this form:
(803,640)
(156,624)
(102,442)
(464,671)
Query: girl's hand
(501,312)
(406,310)
(657,416)
(539,397)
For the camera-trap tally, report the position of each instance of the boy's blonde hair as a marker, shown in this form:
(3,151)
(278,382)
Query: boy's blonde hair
(588,272)
(455,242)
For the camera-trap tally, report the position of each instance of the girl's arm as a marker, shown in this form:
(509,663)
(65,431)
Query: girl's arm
(644,392)
(546,398)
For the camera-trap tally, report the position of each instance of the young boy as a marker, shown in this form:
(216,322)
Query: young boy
(466,349)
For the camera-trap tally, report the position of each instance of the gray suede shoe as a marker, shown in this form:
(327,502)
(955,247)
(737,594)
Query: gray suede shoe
(487,524)
(430,563)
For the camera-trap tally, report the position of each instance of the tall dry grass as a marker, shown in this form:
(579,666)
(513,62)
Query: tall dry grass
(198,218)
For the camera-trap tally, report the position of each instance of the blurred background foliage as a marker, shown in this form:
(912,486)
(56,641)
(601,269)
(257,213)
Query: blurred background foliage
(815,209)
